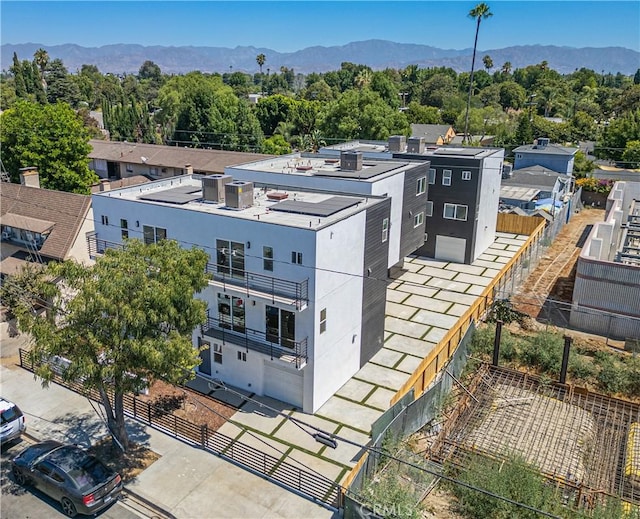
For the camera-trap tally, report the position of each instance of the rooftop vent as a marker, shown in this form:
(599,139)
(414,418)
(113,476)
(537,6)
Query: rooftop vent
(397,143)
(277,195)
(213,187)
(239,194)
(415,145)
(541,142)
(351,160)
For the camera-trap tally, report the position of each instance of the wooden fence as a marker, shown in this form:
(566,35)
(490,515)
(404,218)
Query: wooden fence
(517,224)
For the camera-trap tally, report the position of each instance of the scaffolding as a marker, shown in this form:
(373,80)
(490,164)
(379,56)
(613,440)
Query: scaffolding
(574,437)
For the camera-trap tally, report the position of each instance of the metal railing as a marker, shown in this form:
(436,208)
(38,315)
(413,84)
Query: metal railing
(257,340)
(258,284)
(311,485)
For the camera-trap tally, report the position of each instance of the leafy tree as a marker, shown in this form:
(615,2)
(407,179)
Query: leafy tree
(512,95)
(122,323)
(361,114)
(276,145)
(437,89)
(636,77)
(614,138)
(150,70)
(419,114)
(60,85)
(524,131)
(631,154)
(272,110)
(16,69)
(582,166)
(479,12)
(51,138)
(318,90)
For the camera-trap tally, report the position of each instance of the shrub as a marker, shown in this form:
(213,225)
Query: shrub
(543,351)
(612,374)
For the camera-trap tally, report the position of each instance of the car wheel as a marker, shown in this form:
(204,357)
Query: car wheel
(68,507)
(19,476)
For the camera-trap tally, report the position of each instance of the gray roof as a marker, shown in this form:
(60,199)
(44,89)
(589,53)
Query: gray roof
(549,149)
(535,176)
(209,161)
(430,132)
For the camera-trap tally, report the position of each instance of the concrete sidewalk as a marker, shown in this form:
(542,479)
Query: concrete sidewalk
(185,482)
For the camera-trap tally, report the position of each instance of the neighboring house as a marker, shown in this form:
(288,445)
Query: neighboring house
(542,153)
(462,197)
(437,134)
(296,303)
(524,187)
(482,140)
(42,225)
(606,295)
(118,160)
(404,182)
(106,185)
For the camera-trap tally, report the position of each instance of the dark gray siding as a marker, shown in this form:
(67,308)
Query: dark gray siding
(411,238)
(463,192)
(374,291)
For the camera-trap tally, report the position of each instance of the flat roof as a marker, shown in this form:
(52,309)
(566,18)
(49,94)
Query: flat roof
(327,166)
(430,150)
(288,207)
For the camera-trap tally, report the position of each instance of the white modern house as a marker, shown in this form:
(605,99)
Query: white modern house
(296,299)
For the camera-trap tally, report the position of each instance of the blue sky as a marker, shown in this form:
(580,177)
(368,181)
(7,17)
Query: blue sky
(293,25)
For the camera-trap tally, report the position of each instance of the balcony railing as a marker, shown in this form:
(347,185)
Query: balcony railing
(96,246)
(256,340)
(251,283)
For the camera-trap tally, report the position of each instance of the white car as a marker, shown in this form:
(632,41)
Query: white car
(12,423)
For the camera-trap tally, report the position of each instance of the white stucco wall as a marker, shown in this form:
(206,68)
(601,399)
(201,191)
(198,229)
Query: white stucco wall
(488,202)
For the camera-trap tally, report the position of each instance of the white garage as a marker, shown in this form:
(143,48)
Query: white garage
(450,249)
(283,384)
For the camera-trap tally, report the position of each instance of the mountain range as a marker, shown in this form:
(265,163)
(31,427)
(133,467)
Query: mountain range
(378,54)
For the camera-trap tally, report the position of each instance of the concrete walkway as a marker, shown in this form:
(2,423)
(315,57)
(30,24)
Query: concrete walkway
(424,301)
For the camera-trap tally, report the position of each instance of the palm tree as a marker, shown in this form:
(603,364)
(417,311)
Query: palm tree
(41,57)
(260,59)
(488,62)
(479,13)
(506,68)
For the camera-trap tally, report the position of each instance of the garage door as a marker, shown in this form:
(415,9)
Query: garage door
(450,249)
(283,384)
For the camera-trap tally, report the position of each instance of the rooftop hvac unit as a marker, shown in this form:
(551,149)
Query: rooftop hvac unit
(542,142)
(351,160)
(213,187)
(397,142)
(239,194)
(415,145)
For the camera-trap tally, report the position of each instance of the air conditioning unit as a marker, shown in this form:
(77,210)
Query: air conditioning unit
(239,194)
(351,160)
(213,187)
(415,145)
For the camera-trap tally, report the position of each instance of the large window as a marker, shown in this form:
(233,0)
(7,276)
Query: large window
(153,234)
(432,176)
(231,312)
(455,212)
(124,226)
(280,326)
(421,186)
(446,177)
(267,258)
(230,258)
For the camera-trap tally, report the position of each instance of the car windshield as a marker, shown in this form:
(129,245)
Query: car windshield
(9,415)
(35,451)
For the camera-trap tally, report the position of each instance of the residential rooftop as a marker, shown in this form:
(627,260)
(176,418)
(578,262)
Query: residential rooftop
(288,207)
(382,147)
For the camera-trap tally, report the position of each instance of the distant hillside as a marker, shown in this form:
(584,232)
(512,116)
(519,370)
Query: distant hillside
(378,54)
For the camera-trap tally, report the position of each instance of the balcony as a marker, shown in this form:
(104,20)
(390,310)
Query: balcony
(277,348)
(96,246)
(252,284)
(275,290)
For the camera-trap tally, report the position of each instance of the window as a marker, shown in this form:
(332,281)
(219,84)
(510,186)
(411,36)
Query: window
(429,209)
(153,234)
(129,168)
(418,219)
(230,258)
(446,177)
(296,257)
(518,155)
(267,258)
(217,353)
(231,312)
(432,176)
(242,356)
(280,326)
(323,320)
(466,175)
(421,186)
(105,219)
(385,229)
(455,212)
(124,225)
(153,172)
